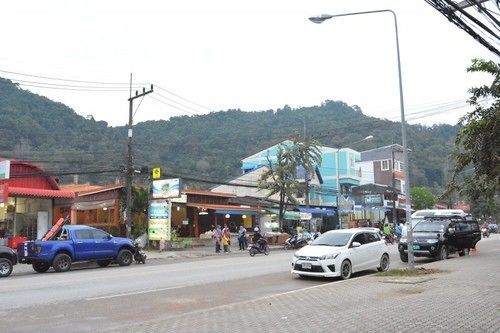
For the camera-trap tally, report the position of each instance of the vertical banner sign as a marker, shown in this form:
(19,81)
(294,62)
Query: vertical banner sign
(159,220)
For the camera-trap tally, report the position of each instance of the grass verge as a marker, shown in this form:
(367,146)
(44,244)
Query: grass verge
(407,272)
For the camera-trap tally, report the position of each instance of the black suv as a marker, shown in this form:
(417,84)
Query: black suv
(437,237)
(8,258)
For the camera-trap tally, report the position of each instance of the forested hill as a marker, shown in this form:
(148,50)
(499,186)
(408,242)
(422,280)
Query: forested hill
(209,146)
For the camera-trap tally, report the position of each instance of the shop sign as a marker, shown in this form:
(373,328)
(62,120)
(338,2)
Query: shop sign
(305,216)
(345,204)
(4,169)
(373,200)
(166,188)
(159,220)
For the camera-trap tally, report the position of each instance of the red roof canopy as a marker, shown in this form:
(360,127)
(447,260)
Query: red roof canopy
(39,193)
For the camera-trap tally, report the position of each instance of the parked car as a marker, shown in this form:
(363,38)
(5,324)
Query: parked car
(438,237)
(76,243)
(8,258)
(341,253)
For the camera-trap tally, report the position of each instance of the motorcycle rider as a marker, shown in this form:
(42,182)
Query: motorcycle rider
(258,238)
(485,228)
(388,233)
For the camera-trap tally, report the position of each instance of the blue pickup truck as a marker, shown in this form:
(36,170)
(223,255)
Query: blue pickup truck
(74,243)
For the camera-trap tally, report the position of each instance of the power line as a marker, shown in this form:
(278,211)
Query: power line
(184,99)
(67,80)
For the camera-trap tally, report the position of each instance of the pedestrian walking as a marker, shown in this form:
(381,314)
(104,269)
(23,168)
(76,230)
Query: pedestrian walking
(226,238)
(217,236)
(242,238)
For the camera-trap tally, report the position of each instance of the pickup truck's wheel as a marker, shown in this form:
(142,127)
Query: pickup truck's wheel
(103,263)
(62,262)
(403,257)
(125,257)
(5,267)
(41,267)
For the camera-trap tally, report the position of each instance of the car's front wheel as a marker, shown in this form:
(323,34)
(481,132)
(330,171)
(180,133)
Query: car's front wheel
(384,263)
(345,270)
(125,257)
(443,253)
(41,267)
(403,257)
(5,267)
(62,262)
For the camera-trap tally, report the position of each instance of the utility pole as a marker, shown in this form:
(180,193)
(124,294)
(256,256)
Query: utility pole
(130,170)
(394,216)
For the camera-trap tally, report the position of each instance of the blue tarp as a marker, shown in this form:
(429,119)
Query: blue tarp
(318,211)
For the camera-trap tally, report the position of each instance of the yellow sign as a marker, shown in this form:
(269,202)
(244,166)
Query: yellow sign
(156,173)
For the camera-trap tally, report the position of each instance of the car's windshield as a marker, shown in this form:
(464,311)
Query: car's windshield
(429,227)
(333,239)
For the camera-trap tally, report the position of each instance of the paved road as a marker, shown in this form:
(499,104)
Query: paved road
(90,298)
(464,297)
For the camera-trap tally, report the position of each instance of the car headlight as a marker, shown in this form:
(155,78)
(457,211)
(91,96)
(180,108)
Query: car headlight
(402,240)
(431,241)
(329,256)
(296,255)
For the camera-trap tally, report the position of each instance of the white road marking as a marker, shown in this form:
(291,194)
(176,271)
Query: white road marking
(133,293)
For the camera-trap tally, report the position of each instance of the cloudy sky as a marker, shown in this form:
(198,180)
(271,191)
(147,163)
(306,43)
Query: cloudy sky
(228,54)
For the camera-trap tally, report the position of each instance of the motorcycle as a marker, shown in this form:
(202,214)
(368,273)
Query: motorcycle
(295,242)
(139,254)
(389,239)
(259,247)
(486,232)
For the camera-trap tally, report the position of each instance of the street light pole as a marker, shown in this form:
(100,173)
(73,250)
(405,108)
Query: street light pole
(321,19)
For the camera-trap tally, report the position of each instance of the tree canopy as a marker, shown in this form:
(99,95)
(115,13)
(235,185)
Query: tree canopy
(477,170)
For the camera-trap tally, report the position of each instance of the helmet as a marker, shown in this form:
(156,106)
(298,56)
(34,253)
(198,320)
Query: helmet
(256,229)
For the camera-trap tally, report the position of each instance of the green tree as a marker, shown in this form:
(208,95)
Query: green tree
(477,170)
(140,203)
(308,156)
(281,179)
(422,198)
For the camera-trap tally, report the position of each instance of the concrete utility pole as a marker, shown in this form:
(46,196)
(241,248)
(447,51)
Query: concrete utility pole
(130,170)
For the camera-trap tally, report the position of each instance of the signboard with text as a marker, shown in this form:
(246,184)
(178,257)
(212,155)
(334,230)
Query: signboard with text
(159,223)
(166,188)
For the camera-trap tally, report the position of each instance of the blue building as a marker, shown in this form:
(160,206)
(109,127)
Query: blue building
(337,166)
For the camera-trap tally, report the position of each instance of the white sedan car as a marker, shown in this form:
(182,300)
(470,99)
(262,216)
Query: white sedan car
(341,253)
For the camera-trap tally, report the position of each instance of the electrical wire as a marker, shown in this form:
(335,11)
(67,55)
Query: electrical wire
(184,99)
(66,80)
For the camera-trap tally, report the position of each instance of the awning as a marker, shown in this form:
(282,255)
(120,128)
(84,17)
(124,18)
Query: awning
(39,193)
(236,212)
(227,209)
(318,211)
(289,215)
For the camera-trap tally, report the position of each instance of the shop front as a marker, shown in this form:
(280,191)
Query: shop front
(28,200)
(94,205)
